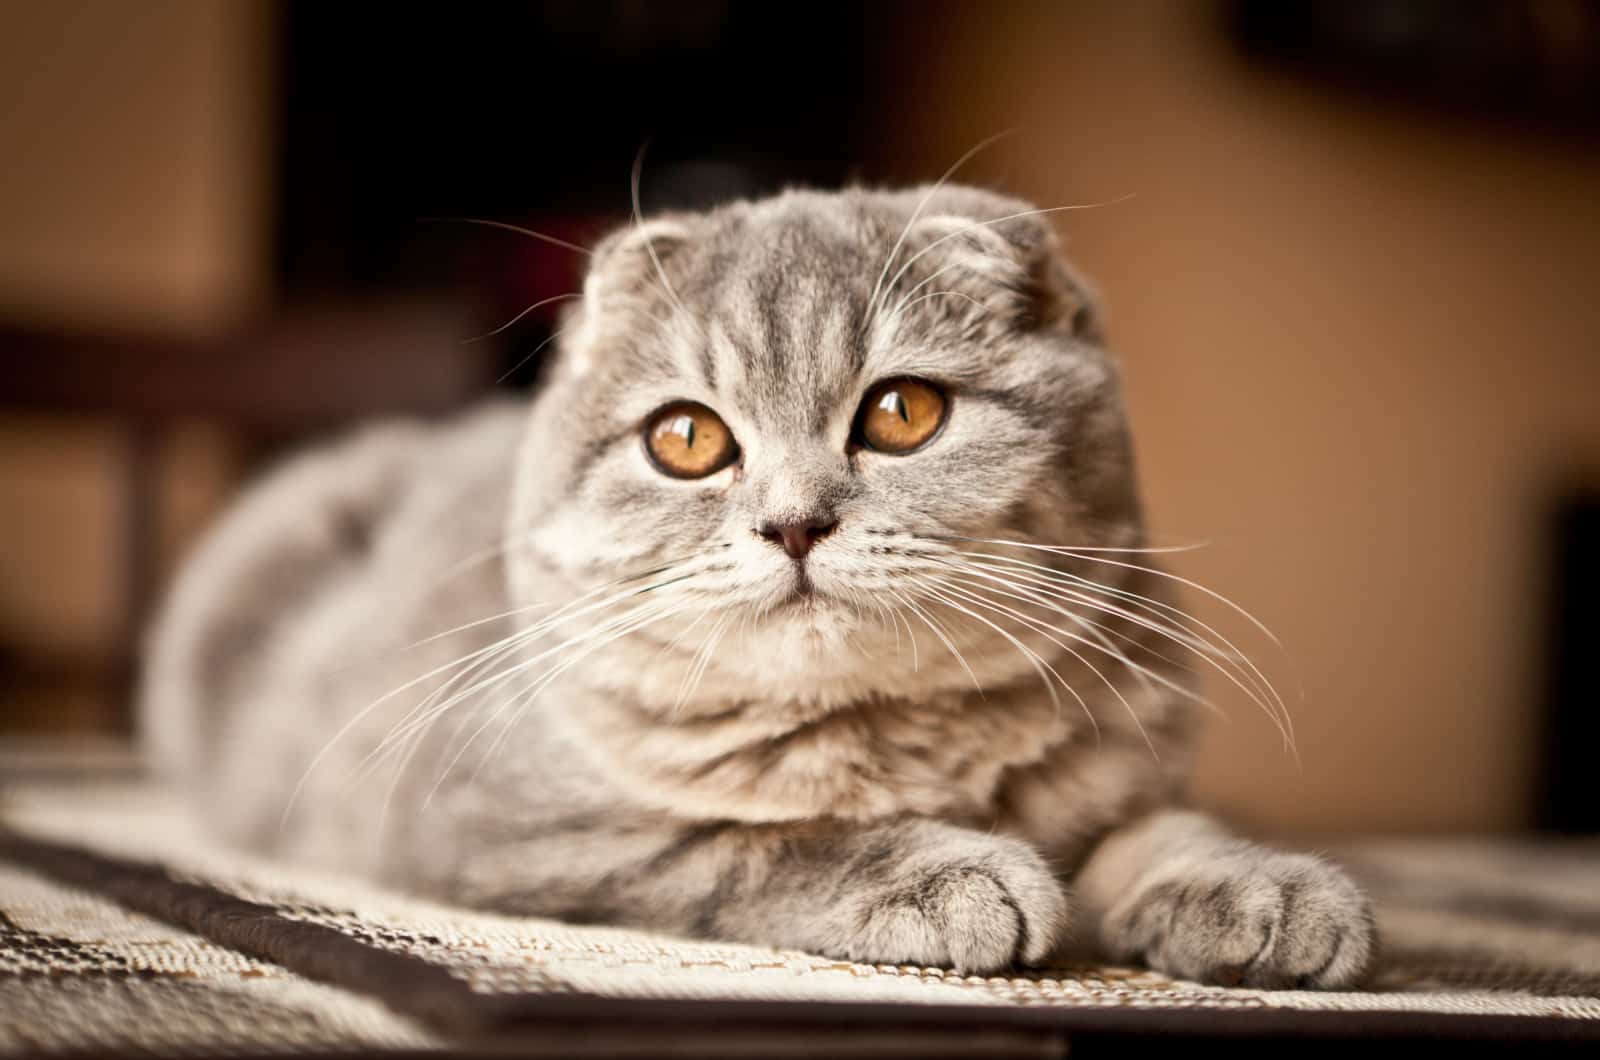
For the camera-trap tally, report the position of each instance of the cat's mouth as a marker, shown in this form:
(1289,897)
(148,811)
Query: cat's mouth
(799,598)
(801,594)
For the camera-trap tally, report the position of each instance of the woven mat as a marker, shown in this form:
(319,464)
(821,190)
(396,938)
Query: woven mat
(121,929)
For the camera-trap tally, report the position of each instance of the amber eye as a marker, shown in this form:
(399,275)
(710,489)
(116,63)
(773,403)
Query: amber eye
(687,440)
(899,416)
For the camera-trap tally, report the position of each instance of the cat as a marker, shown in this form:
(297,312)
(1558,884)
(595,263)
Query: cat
(807,603)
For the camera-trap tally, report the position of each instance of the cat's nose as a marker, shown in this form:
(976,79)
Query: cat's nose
(797,537)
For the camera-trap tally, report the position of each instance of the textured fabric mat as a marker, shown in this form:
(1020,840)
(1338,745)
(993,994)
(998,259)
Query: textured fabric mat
(121,928)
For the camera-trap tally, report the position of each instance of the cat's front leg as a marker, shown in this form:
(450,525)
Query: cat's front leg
(908,891)
(1176,891)
(912,892)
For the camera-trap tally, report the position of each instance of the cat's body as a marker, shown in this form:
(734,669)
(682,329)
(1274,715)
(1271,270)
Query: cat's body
(809,698)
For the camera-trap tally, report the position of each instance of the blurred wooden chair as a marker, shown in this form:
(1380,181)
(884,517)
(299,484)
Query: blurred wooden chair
(300,375)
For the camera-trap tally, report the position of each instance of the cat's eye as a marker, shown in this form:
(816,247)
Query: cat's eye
(900,415)
(688,440)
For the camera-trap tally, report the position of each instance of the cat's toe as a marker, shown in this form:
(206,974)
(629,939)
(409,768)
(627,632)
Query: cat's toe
(1325,930)
(1258,918)
(975,914)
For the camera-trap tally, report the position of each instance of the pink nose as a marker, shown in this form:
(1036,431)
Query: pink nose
(796,538)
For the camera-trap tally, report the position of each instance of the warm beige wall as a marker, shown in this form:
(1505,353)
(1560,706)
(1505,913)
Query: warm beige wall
(1361,345)
(133,187)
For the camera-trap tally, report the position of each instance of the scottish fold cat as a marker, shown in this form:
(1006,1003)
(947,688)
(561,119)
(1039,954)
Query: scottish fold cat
(807,602)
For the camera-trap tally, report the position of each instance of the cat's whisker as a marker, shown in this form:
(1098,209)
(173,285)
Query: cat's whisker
(489,553)
(887,616)
(895,316)
(1228,659)
(408,733)
(1088,592)
(534,633)
(964,229)
(911,635)
(1254,683)
(561,615)
(356,719)
(514,320)
(939,294)
(672,643)
(430,709)
(509,704)
(1011,589)
(432,585)
(1064,550)
(946,538)
(631,623)
(641,617)
(894,251)
(649,244)
(744,627)
(983,601)
(639,620)
(460,566)
(920,284)
(897,619)
(858,609)
(1146,676)
(474,624)
(938,632)
(581,645)
(514,369)
(1226,662)
(1042,589)
(693,665)
(701,656)
(529,232)
(1040,666)
(880,618)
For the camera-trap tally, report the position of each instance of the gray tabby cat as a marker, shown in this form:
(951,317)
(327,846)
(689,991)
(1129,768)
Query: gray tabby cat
(815,613)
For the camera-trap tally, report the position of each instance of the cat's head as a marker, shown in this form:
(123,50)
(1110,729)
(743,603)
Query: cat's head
(789,415)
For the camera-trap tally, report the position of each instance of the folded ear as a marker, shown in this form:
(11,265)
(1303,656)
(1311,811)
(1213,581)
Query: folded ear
(629,260)
(623,287)
(1002,254)
(1065,298)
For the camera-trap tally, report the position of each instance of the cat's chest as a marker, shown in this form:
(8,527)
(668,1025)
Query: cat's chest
(944,757)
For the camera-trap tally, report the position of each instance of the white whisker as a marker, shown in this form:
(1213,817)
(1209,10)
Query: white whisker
(529,232)
(1147,677)
(940,633)
(1259,688)
(649,244)
(994,221)
(513,321)
(894,251)
(939,294)
(983,601)
(1040,666)
(1196,586)
(1228,663)
(509,372)
(632,623)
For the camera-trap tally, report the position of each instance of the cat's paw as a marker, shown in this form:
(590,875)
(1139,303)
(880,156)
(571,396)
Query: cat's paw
(974,912)
(1254,917)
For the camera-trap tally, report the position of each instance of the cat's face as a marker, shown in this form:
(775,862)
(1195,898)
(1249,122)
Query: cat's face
(797,406)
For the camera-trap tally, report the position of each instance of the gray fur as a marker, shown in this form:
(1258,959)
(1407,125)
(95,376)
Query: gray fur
(695,746)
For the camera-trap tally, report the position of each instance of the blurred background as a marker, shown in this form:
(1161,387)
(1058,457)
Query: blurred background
(1354,288)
